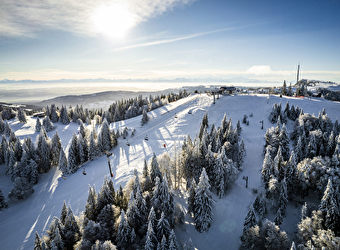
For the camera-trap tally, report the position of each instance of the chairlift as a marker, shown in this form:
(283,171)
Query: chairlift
(146,138)
(84,173)
(175,115)
(128,143)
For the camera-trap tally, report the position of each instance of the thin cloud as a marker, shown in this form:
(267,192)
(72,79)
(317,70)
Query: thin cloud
(171,40)
(26,18)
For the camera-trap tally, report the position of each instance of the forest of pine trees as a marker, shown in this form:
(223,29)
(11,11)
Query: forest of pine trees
(294,166)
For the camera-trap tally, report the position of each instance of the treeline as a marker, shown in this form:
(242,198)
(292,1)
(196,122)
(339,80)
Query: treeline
(142,215)
(313,165)
(24,161)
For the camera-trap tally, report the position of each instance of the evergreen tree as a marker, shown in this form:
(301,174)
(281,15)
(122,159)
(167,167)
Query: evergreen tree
(312,147)
(55,149)
(3,203)
(106,136)
(63,214)
(91,204)
(123,233)
(106,220)
(64,118)
(173,245)
(37,126)
(37,242)
(250,220)
(21,189)
(54,114)
(329,207)
(219,177)
(21,115)
(145,117)
(278,217)
(203,204)
(145,169)
(241,155)
(284,142)
(31,173)
(73,156)
(48,125)
(71,230)
(43,152)
(151,239)
(82,150)
(104,196)
(267,168)
(132,214)
(163,227)
(57,242)
(191,197)
(155,170)
(63,162)
(92,148)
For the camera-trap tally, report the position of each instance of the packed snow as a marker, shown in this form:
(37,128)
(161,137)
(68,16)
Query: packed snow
(166,129)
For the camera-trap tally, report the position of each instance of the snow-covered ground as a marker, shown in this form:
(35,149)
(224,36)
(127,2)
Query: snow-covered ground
(168,125)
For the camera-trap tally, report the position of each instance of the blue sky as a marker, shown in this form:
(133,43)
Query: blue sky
(152,39)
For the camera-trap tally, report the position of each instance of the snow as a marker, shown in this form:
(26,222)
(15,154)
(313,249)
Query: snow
(168,125)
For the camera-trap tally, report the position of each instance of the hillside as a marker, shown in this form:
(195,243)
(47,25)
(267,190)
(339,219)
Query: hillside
(20,221)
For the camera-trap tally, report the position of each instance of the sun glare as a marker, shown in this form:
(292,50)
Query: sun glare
(114,20)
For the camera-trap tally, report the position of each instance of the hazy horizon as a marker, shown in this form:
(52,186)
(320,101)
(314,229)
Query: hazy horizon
(27,92)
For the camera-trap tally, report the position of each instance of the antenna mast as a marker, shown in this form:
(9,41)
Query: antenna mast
(298,71)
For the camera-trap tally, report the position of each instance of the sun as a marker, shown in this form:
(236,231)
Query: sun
(114,20)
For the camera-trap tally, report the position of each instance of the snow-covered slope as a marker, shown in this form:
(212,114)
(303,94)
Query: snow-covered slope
(19,222)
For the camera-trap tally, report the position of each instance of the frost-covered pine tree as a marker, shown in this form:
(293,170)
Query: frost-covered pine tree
(151,239)
(290,171)
(145,117)
(91,204)
(155,170)
(241,155)
(92,148)
(63,162)
(21,115)
(73,155)
(31,172)
(329,207)
(284,142)
(267,168)
(219,177)
(106,136)
(54,114)
(3,203)
(132,213)
(203,204)
(71,231)
(81,150)
(312,147)
(55,149)
(37,242)
(250,219)
(43,151)
(104,196)
(163,227)
(48,125)
(64,118)
(21,189)
(278,217)
(37,126)
(123,232)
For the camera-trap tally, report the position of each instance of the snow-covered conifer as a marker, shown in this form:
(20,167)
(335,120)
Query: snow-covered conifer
(91,204)
(155,170)
(104,196)
(37,126)
(278,217)
(106,136)
(63,162)
(55,149)
(71,230)
(21,189)
(219,177)
(203,204)
(63,213)
(241,155)
(48,125)
(151,239)
(123,232)
(73,155)
(329,207)
(163,227)
(54,114)
(250,219)
(37,242)
(3,203)
(267,168)
(64,118)
(21,115)
(92,148)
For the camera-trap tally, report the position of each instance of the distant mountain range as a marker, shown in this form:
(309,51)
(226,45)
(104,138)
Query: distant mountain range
(237,79)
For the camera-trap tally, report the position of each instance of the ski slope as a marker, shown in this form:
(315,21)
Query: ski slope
(168,125)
